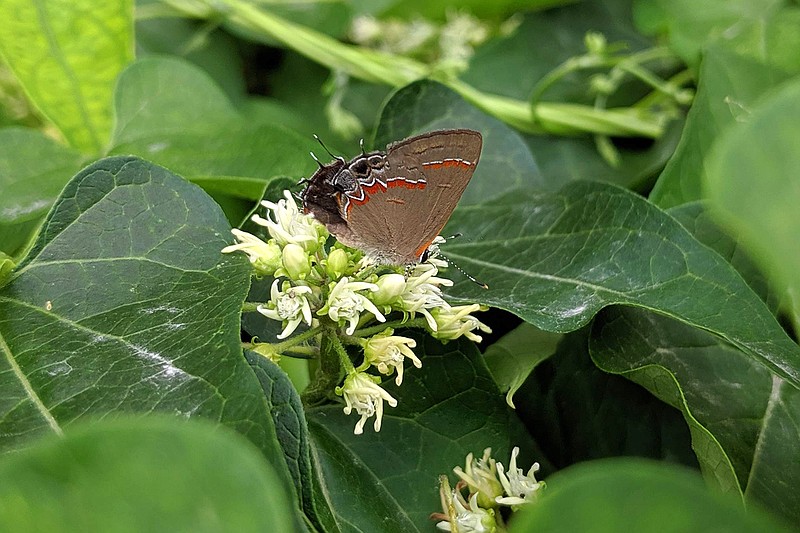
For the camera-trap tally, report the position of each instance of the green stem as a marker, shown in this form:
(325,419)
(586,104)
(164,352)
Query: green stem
(397,71)
(250,307)
(333,360)
(291,342)
(372,330)
(302,352)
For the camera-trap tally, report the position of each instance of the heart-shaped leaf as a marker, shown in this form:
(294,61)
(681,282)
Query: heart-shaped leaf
(125,304)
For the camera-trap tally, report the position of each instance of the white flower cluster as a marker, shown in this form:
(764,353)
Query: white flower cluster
(489,485)
(337,289)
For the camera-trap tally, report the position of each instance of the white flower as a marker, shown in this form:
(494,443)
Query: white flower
(423,293)
(454,322)
(519,488)
(387,352)
(291,306)
(362,393)
(470,517)
(480,475)
(290,225)
(345,303)
(265,256)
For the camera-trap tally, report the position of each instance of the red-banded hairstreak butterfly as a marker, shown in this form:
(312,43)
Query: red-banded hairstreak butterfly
(393,204)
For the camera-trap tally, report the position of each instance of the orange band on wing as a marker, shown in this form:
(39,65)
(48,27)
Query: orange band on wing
(379,187)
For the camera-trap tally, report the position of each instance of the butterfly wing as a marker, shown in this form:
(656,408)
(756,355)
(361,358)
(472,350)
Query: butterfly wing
(424,180)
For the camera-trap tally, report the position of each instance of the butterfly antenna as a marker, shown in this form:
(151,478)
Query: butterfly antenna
(340,158)
(361,144)
(314,157)
(472,279)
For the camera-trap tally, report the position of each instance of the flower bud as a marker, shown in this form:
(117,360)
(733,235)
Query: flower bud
(296,261)
(269,259)
(390,287)
(337,263)
(595,43)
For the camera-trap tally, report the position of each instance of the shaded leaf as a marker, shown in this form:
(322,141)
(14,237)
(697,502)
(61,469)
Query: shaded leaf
(200,134)
(729,86)
(153,474)
(423,106)
(512,358)
(576,412)
(292,432)
(512,65)
(67,56)
(741,415)
(33,170)
(763,211)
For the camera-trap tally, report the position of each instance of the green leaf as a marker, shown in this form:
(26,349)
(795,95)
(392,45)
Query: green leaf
(126,304)
(512,358)
(729,86)
(694,216)
(200,134)
(557,259)
(513,65)
(205,45)
(33,170)
(576,412)
(753,188)
(742,416)
(692,26)
(154,474)
(635,495)
(67,57)
(445,410)
(292,432)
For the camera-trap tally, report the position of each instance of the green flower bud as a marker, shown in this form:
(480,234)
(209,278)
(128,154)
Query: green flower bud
(595,43)
(337,264)
(269,260)
(296,261)
(390,287)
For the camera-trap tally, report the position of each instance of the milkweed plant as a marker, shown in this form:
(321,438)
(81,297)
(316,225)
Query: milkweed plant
(345,300)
